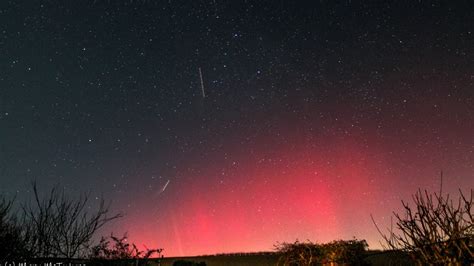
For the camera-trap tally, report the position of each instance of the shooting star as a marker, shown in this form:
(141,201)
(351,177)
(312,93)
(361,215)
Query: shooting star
(163,188)
(202,84)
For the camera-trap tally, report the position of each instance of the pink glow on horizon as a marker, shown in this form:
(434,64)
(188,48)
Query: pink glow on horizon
(296,193)
(260,204)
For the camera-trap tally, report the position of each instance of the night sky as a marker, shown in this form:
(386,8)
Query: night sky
(315,114)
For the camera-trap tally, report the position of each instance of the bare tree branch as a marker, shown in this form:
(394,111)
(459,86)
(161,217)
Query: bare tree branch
(59,226)
(437,230)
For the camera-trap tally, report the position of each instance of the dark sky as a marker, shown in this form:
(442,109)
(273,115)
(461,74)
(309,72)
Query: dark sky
(315,114)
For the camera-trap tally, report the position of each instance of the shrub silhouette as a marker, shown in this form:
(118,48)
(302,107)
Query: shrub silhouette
(120,250)
(435,230)
(309,253)
(353,251)
(299,253)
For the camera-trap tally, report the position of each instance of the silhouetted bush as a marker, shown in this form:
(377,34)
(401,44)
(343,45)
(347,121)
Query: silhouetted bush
(299,253)
(352,252)
(188,263)
(120,250)
(308,253)
(435,230)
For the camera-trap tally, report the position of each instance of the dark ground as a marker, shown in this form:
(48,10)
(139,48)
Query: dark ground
(375,258)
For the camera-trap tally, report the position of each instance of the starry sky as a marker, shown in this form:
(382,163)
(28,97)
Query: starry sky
(316,114)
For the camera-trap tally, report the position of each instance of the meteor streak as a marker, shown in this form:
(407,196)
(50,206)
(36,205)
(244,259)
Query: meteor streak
(162,189)
(165,186)
(202,84)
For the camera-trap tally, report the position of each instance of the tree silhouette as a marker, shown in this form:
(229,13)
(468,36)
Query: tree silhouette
(58,226)
(12,246)
(435,230)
